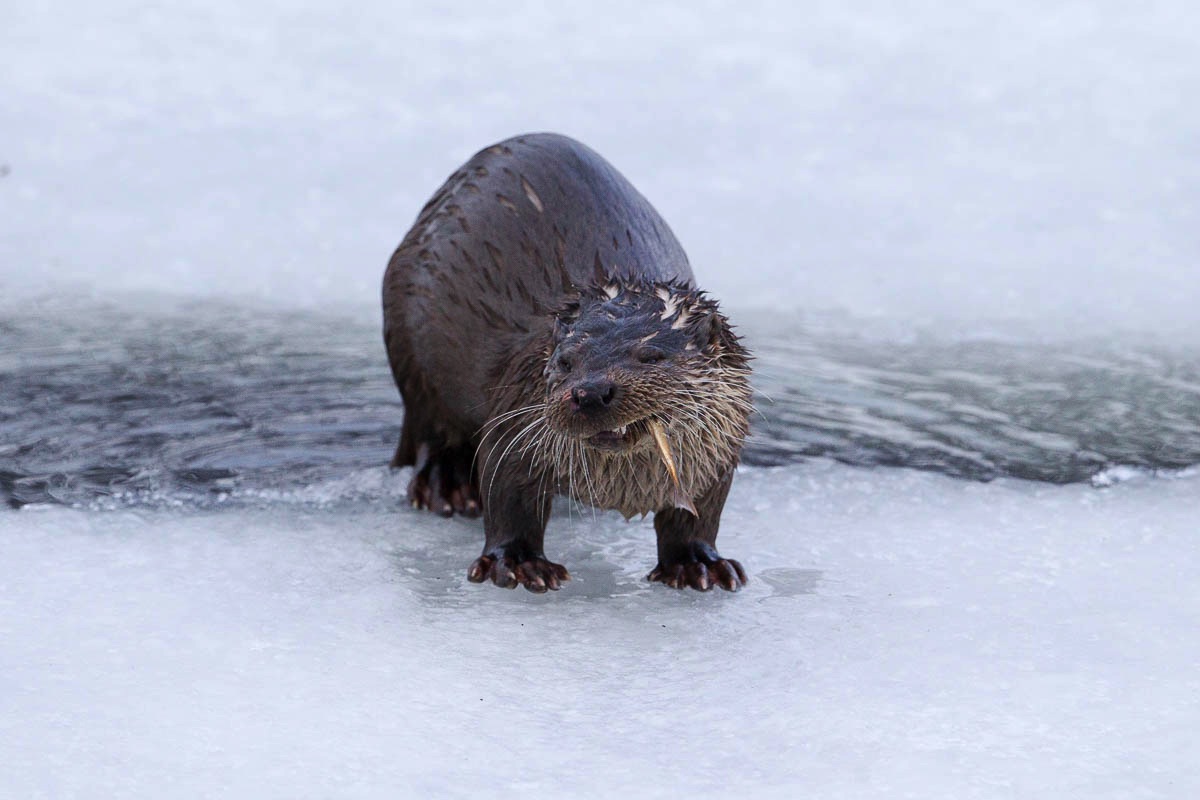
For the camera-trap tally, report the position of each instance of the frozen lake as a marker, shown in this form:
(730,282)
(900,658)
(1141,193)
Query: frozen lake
(903,634)
(960,240)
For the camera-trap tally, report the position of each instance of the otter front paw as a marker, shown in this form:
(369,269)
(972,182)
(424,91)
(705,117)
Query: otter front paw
(701,567)
(535,574)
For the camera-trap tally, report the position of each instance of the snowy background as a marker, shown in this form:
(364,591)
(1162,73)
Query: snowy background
(973,159)
(905,174)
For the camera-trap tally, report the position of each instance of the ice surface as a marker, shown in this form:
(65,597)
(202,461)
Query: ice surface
(904,635)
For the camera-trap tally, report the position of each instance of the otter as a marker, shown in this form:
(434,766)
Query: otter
(547,337)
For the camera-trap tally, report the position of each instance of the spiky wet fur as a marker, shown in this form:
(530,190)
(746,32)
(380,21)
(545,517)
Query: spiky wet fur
(699,392)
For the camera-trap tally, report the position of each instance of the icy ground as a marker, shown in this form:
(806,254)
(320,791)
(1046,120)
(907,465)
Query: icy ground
(904,635)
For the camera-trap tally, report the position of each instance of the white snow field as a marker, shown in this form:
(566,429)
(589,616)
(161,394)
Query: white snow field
(1015,169)
(926,160)
(904,635)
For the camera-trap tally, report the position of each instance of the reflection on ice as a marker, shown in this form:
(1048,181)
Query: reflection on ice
(789,581)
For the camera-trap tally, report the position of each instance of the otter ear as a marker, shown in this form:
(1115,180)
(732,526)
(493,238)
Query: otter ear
(562,326)
(712,330)
(568,314)
(709,329)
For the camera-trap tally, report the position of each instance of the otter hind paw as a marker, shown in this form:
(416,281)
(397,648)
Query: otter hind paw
(442,484)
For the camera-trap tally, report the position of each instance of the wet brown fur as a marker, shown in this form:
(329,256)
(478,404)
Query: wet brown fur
(700,396)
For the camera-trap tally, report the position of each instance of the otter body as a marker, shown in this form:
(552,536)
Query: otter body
(546,334)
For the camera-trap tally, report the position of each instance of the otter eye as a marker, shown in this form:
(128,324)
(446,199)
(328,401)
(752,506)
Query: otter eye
(649,355)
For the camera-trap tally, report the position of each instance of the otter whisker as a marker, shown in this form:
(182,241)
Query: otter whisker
(512,442)
(534,449)
(587,476)
(495,422)
(570,479)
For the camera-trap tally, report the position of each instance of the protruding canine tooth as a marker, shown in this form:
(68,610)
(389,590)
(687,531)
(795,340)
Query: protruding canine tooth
(621,430)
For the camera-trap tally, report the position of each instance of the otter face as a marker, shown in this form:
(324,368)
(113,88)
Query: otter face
(628,355)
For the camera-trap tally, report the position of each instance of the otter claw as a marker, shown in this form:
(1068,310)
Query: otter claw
(442,484)
(701,575)
(536,574)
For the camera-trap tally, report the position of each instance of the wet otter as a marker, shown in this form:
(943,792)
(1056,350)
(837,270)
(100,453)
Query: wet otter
(544,329)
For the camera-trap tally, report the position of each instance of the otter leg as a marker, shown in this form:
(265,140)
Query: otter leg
(442,481)
(687,553)
(514,523)
(439,449)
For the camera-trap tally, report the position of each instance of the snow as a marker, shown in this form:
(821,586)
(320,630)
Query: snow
(904,635)
(918,160)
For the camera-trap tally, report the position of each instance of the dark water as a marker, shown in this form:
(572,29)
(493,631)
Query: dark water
(194,404)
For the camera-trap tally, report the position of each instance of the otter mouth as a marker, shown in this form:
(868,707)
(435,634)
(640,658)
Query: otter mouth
(620,438)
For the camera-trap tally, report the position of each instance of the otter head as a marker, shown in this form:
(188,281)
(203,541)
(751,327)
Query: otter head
(627,357)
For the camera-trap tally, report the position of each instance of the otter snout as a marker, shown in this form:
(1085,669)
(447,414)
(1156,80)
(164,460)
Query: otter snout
(593,397)
(593,409)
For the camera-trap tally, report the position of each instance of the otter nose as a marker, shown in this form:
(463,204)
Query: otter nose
(593,396)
